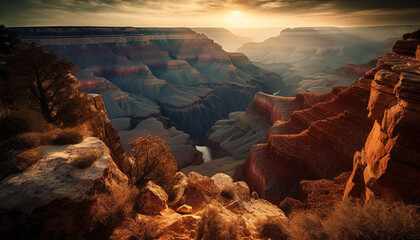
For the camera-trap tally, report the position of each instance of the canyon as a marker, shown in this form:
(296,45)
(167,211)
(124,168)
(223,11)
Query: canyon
(302,153)
(360,129)
(173,75)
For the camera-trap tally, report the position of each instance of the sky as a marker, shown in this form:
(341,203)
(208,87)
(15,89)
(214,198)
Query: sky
(211,13)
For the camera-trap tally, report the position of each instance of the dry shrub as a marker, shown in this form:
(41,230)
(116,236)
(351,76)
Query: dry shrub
(28,140)
(68,136)
(272,228)
(350,220)
(153,161)
(86,159)
(228,193)
(112,207)
(135,229)
(22,121)
(26,159)
(19,161)
(375,220)
(307,225)
(213,226)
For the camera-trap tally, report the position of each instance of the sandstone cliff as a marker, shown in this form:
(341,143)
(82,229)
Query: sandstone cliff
(388,165)
(320,142)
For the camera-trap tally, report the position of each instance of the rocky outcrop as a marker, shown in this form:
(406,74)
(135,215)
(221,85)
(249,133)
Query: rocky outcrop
(334,127)
(99,125)
(313,194)
(58,199)
(320,142)
(202,192)
(388,166)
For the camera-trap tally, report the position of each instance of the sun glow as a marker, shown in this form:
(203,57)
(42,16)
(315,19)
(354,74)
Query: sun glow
(237,13)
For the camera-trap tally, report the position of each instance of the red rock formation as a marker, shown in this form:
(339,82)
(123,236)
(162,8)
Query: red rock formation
(316,142)
(316,194)
(389,164)
(102,128)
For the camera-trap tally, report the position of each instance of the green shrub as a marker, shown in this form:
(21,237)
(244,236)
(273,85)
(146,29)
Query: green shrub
(68,136)
(273,228)
(213,226)
(22,121)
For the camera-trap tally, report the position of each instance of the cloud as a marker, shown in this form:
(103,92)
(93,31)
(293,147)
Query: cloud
(52,12)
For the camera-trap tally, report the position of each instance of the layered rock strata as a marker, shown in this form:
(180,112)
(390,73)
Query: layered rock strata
(314,143)
(164,73)
(320,142)
(235,136)
(185,74)
(388,166)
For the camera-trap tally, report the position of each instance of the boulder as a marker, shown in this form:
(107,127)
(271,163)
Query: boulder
(222,181)
(179,189)
(202,184)
(152,199)
(52,198)
(184,209)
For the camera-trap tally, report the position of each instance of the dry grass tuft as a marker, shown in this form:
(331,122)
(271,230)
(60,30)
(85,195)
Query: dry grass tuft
(68,136)
(22,121)
(213,226)
(86,159)
(228,193)
(272,228)
(349,220)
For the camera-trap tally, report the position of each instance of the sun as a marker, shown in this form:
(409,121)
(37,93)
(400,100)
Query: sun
(237,13)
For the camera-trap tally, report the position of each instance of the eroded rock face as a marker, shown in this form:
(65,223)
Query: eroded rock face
(55,199)
(388,166)
(236,135)
(317,141)
(101,127)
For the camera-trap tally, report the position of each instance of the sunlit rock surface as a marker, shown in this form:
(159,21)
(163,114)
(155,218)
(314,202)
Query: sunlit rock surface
(316,142)
(55,199)
(320,142)
(388,166)
(235,136)
(199,193)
